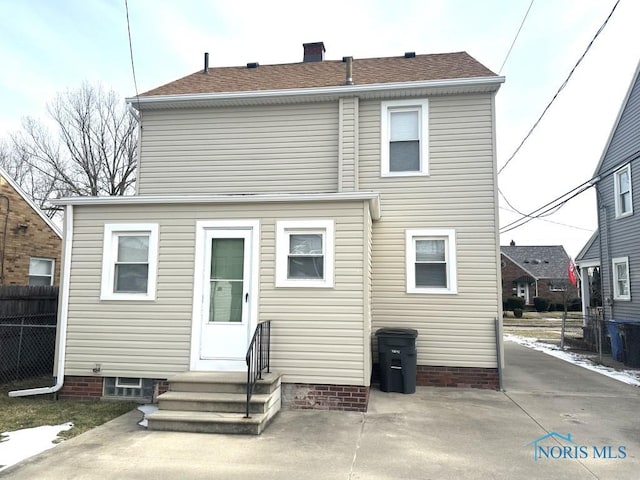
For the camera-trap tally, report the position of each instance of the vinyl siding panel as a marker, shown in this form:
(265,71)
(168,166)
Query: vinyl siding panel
(459,194)
(348,138)
(317,334)
(285,148)
(619,236)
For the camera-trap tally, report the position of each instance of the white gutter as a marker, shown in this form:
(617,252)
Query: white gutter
(137,102)
(134,113)
(372,197)
(63,315)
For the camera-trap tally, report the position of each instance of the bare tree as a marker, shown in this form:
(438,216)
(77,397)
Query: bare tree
(93,151)
(36,186)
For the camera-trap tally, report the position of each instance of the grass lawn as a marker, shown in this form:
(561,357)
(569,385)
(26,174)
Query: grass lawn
(38,410)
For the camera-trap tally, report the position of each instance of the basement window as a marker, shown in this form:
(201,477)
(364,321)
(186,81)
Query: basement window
(128,387)
(128,382)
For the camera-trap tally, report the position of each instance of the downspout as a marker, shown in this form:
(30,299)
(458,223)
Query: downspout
(138,118)
(64,312)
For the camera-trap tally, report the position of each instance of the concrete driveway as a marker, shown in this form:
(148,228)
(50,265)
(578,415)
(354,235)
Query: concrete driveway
(435,433)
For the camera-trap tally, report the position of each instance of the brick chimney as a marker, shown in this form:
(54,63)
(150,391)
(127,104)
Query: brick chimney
(313,52)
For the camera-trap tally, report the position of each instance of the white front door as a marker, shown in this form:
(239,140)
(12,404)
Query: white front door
(523,292)
(224,282)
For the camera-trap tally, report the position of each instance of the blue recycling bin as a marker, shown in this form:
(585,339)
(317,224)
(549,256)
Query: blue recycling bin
(617,343)
(631,343)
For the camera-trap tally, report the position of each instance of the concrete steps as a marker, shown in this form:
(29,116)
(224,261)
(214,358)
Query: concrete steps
(215,402)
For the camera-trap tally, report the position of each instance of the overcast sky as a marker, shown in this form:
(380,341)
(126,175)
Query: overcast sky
(48,46)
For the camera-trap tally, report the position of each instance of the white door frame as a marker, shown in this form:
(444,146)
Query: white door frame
(253,226)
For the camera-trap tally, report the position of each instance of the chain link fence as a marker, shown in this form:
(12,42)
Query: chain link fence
(28,317)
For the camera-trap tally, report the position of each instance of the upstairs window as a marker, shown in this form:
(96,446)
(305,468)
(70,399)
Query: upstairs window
(404,138)
(129,260)
(41,271)
(304,253)
(624,201)
(621,288)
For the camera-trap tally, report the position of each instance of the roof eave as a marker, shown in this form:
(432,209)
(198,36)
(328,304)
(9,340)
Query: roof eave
(372,197)
(30,202)
(475,84)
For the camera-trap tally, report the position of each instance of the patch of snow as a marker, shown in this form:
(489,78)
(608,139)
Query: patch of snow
(147,410)
(21,444)
(631,377)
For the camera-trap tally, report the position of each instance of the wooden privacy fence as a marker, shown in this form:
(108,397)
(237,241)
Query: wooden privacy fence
(27,331)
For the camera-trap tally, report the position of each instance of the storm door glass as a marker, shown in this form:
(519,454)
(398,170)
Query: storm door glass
(226,280)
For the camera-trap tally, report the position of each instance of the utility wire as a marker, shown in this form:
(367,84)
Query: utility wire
(532,217)
(516,38)
(515,210)
(574,192)
(133,67)
(564,84)
(552,221)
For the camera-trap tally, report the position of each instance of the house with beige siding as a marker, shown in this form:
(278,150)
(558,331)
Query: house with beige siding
(329,197)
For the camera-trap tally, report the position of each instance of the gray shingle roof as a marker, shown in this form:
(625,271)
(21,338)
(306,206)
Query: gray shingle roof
(541,261)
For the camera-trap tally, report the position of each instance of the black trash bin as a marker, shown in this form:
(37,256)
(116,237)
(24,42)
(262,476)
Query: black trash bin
(631,340)
(397,358)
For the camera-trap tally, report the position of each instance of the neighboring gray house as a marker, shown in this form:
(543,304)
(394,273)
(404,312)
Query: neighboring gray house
(615,246)
(330,197)
(530,271)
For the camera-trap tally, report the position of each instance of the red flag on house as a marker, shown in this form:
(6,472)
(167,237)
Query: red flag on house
(573,273)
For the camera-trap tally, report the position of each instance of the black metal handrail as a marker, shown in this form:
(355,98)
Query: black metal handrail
(258,356)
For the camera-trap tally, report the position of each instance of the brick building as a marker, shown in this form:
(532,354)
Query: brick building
(536,271)
(30,243)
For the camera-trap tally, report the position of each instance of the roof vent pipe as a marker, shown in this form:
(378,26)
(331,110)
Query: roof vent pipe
(349,71)
(206,62)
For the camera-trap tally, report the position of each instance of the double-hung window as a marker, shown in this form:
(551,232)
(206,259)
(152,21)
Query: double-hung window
(621,286)
(431,261)
(129,262)
(404,138)
(624,199)
(304,256)
(41,271)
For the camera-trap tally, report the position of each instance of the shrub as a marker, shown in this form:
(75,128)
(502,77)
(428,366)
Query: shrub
(515,302)
(517,312)
(541,304)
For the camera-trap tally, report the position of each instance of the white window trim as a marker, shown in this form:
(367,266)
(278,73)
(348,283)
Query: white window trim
(386,107)
(283,230)
(53,268)
(616,293)
(119,384)
(616,183)
(410,255)
(555,288)
(108,260)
